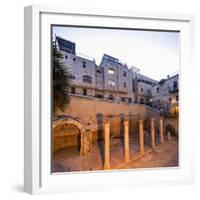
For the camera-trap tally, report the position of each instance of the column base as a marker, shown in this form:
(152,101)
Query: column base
(126,160)
(141,152)
(105,167)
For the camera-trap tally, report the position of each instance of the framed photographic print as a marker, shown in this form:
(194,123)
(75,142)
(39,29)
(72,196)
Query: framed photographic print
(107,99)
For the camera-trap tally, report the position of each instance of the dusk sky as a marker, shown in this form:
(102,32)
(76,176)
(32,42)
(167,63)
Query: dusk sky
(155,53)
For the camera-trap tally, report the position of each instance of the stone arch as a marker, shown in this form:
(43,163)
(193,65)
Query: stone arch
(71,121)
(171,124)
(171,129)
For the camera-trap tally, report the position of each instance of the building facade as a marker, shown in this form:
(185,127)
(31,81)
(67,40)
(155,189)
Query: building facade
(114,80)
(144,89)
(166,94)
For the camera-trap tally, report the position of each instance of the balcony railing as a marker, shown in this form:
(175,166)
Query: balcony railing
(173,90)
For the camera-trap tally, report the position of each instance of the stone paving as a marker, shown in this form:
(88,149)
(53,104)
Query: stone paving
(165,155)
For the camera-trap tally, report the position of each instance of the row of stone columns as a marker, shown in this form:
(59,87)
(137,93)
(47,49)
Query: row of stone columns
(126,139)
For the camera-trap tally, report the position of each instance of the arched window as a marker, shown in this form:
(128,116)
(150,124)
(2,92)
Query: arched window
(87,79)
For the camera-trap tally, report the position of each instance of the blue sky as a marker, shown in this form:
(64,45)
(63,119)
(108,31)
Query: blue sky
(155,53)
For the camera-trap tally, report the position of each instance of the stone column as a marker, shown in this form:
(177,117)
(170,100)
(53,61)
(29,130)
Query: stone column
(87,141)
(153,133)
(168,135)
(161,131)
(82,132)
(126,141)
(107,146)
(141,134)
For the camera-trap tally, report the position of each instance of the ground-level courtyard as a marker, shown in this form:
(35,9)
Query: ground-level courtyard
(163,155)
(94,134)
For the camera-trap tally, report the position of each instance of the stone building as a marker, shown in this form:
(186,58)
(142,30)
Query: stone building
(111,80)
(165,94)
(117,80)
(83,70)
(109,92)
(144,89)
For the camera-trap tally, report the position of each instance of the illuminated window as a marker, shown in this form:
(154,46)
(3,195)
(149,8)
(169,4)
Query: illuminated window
(111,71)
(111,82)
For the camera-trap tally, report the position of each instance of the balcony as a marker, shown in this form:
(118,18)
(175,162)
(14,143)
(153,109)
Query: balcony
(173,90)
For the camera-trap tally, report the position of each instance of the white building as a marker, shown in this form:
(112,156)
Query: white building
(113,80)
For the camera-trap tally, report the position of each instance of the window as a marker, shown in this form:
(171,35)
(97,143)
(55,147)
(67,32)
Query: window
(141,101)
(157,89)
(84,64)
(177,98)
(124,84)
(124,74)
(175,85)
(141,89)
(98,71)
(148,91)
(111,97)
(73,90)
(87,79)
(72,77)
(74,59)
(111,71)
(84,91)
(170,99)
(123,99)
(133,85)
(111,82)
(66,57)
(99,95)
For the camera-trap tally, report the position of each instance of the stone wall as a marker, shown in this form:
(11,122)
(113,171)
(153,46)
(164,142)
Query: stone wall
(93,113)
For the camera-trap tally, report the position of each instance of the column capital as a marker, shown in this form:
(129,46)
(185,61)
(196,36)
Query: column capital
(141,120)
(126,122)
(107,125)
